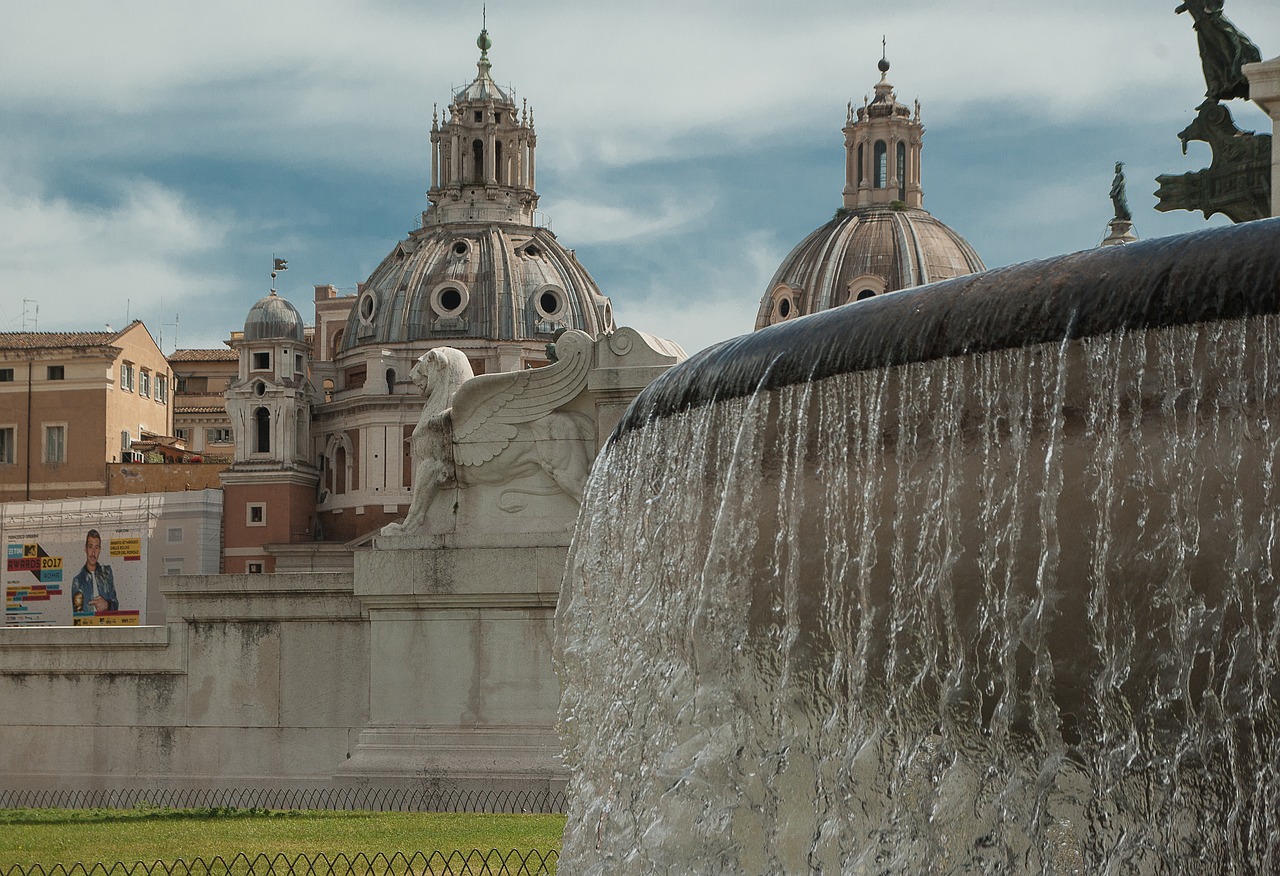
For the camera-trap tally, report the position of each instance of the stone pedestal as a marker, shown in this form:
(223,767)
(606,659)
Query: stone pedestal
(462,695)
(1119,231)
(1264,90)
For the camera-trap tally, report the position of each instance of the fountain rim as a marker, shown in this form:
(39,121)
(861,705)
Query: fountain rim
(1230,272)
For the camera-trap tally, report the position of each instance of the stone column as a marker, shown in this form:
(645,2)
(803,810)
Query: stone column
(435,161)
(1264,90)
(490,169)
(533,175)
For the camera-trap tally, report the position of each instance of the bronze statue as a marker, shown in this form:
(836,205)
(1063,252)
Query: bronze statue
(1223,50)
(1118,200)
(1237,183)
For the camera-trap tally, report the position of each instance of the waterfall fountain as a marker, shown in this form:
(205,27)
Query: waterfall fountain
(978,577)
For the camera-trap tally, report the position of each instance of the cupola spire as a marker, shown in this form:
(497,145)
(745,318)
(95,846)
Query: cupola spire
(482,155)
(882,142)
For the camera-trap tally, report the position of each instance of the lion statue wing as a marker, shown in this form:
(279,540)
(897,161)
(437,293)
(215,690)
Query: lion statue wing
(488,407)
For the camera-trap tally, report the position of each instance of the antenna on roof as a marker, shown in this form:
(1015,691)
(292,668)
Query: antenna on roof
(34,309)
(175,331)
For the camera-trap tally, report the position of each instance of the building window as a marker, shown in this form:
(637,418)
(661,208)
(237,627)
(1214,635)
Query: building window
(55,443)
(218,436)
(174,534)
(861,175)
(55,372)
(355,377)
(262,424)
(262,360)
(126,441)
(902,171)
(181,385)
(880,173)
(297,363)
(8,434)
(162,388)
(182,434)
(253,568)
(6,375)
(126,377)
(173,565)
(144,384)
(255,514)
(548,301)
(477,161)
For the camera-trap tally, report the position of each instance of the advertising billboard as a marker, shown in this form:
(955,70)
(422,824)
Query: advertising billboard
(96,578)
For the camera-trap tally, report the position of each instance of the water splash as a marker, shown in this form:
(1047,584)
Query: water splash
(1010,612)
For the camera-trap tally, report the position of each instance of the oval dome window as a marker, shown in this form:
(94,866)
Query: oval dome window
(450,299)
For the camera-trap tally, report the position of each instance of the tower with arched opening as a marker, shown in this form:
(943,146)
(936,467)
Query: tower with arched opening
(881,239)
(269,491)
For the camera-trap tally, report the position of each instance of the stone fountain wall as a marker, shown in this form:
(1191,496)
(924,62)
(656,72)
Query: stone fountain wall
(983,607)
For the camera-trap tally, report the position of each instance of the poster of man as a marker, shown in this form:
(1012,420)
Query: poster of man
(85,577)
(93,589)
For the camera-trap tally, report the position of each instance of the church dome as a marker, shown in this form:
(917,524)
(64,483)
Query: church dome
(498,282)
(881,239)
(862,253)
(482,266)
(273,318)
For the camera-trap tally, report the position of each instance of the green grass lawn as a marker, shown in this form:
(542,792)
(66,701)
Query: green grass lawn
(68,836)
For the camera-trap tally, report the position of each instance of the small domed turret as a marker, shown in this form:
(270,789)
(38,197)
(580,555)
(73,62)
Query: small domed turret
(273,318)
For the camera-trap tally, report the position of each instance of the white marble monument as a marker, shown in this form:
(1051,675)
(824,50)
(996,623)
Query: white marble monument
(461,594)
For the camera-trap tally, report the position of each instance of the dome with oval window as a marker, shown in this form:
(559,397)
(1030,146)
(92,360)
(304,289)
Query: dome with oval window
(482,265)
(881,239)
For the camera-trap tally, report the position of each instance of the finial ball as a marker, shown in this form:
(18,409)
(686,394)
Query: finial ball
(883,65)
(483,43)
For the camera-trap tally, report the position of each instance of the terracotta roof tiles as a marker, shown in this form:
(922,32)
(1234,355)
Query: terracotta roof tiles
(54,340)
(217,355)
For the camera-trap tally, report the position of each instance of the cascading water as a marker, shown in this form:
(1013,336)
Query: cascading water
(995,608)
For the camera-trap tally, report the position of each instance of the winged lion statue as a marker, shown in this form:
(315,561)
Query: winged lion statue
(493,428)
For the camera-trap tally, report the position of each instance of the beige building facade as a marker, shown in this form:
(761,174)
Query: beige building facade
(200,421)
(73,402)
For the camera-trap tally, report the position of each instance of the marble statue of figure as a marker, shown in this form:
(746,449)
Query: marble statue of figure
(494,428)
(1223,50)
(1118,199)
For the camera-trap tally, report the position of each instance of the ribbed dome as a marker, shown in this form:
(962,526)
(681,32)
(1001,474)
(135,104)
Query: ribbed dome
(864,252)
(273,318)
(498,282)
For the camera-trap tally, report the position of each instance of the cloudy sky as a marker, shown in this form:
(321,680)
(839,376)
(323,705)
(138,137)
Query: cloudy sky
(155,154)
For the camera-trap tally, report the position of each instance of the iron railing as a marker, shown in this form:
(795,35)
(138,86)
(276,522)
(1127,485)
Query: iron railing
(473,863)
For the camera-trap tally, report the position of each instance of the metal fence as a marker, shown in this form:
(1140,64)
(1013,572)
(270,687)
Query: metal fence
(544,801)
(474,863)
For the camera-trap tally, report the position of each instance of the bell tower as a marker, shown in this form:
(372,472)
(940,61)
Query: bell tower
(882,141)
(482,154)
(269,490)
